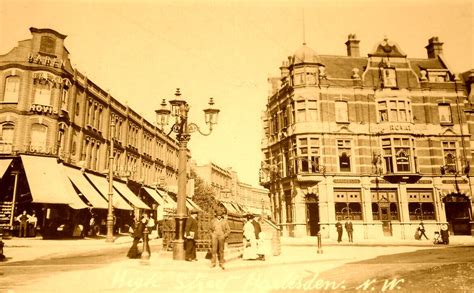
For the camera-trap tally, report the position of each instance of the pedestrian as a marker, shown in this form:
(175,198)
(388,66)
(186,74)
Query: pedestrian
(445,234)
(190,235)
(339,231)
(421,229)
(349,229)
(250,242)
(137,234)
(260,239)
(23,219)
(220,230)
(32,223)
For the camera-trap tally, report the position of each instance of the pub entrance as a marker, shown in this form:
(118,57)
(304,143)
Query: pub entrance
(312,215)
(458,213)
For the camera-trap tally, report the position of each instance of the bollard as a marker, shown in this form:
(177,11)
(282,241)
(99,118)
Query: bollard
(320,246)
(146,246)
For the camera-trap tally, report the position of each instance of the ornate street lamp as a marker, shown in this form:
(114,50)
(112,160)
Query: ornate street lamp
(183,130)
(110,213)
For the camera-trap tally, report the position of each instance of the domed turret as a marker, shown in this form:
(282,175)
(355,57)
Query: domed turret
(305,55)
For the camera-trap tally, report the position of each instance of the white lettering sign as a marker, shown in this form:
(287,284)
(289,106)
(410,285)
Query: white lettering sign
(42,109)
(46,60)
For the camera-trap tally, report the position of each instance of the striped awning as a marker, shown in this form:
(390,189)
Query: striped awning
(103,186)
(48,183)
(130,196)
(4,163)
(86,188)
(153,194)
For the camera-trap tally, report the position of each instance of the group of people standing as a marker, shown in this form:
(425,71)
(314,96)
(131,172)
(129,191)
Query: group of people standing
(28,224)
(254,240)
(349,229)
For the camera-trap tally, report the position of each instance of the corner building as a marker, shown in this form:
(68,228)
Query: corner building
(50,110)
(384,140)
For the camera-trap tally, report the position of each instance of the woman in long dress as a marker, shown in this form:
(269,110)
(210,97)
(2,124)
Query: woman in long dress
(250,242)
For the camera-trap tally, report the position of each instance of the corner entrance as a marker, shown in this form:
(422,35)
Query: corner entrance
(458,213)
(312,215)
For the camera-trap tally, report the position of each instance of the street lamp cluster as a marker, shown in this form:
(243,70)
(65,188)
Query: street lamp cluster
(183,129)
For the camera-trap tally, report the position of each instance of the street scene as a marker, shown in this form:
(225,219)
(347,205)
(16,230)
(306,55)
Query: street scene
(236,146)
(402,267)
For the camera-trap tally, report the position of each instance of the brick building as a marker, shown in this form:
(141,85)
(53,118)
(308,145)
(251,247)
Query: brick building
(49,113)
(230,190)
(383,139)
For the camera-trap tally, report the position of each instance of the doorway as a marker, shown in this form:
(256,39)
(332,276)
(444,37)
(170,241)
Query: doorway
(312,215)
(386,223)
(458,213)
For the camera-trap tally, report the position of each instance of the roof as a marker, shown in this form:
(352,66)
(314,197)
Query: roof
(305,54)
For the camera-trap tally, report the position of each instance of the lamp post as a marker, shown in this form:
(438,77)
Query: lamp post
(110,213)
(183,130)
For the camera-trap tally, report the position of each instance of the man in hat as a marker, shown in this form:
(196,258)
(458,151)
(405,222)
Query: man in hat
(220,230)
(190,233)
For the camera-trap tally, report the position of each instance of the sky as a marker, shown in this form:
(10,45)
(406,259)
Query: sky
(141,51)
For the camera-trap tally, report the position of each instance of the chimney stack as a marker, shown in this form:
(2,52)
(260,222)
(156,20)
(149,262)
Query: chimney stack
(434,47)
(352,46)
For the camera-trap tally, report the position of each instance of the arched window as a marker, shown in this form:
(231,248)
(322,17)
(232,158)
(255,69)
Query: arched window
(43,92)
(7,131)
(12,89)
(38,137)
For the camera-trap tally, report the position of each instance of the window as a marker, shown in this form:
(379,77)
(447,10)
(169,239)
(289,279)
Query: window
(394,110)
(420,205)
(7,133)
(398,154)
(341,111)
(389,77)
(38,137)
(300,111)
(77,109)
(308,155)
(64,99)
(306,110)
(312,110)
(444,111)
(348,204)
(42,92)
(12,89)
(449,153)
(344,151)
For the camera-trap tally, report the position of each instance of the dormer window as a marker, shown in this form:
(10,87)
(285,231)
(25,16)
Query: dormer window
(389,78)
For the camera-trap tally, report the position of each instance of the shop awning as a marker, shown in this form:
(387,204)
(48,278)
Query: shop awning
(229,207)
(103,186)
(85,187)
(48,183)
(169,202)
(130,196)
(156,197)
(4,163)
(191,202)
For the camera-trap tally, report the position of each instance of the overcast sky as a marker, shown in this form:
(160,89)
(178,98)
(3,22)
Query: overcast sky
(143,50)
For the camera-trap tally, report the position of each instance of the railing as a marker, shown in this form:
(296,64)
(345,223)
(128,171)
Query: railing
(203,241)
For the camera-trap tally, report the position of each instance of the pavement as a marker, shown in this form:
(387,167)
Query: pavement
(298,262)
(24,249)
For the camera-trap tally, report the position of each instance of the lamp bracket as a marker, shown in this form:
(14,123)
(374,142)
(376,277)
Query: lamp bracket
(193,127)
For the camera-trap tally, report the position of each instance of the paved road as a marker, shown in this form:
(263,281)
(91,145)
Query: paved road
(295,268)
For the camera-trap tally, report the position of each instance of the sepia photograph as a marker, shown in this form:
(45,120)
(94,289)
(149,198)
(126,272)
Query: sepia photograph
(236,146)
